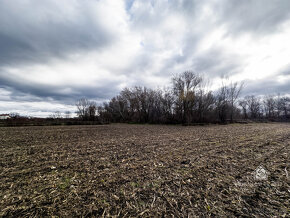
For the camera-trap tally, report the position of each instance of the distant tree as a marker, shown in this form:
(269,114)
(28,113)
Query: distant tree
(244,105)
(254,106)
(234,91)
(82,107)
(227,97)
(222,103)
(270,106)
(104,113)
(184,90)
(155,106)
(86,109)
(14,115)
(284,105)
(67,114)
(92,110)
(188,100)
(118,107)
(205,101)
(56,115)
(167,103)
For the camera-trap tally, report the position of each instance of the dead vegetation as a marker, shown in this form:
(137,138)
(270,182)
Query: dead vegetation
(144,170)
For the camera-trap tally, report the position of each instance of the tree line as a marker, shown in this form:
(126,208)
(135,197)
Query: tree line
(188,100)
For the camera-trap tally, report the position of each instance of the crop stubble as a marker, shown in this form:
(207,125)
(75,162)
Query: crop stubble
(144,170)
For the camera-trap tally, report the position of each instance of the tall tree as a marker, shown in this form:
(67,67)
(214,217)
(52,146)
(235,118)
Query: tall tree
(234,91)
(184,89)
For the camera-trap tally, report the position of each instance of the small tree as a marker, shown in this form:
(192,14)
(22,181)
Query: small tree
(67,114)
(56,115)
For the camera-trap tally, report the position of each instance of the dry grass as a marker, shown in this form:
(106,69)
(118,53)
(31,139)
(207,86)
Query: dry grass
(144,170)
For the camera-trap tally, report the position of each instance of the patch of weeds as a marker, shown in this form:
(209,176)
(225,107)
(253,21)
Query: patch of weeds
(65,183)
(122,193)
(141,204)
(208,207)
(103,202)
(135,184)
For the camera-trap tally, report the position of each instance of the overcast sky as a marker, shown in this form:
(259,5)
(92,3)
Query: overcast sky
(53,52)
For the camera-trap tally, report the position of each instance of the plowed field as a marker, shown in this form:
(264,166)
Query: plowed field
(145,170)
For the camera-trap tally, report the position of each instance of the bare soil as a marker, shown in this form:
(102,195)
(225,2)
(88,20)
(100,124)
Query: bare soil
(145,170)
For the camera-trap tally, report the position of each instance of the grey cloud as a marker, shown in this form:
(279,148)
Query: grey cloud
(216,63)
(34,32)
(268,86)
(257,16)
(285,71)
(150,14)
(25,90)
(213,63)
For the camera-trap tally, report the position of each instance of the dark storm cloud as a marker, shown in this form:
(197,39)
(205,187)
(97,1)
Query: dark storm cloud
(28,91)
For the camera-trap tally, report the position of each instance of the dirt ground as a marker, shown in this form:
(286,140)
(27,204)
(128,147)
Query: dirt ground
(145,170)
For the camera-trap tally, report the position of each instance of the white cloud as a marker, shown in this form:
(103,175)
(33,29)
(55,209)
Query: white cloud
(36,109)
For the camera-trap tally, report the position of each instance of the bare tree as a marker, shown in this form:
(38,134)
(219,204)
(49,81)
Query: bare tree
(167,105)
(270,105)
(187,101)
(184,89)
(254,106)
(284,105)
(86,109)
(14,115)
(92,110)
(227,98)
(56,115)
(205,102)
(243,104)
(67,114)
(82,107)
(222,102)
(234,91)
